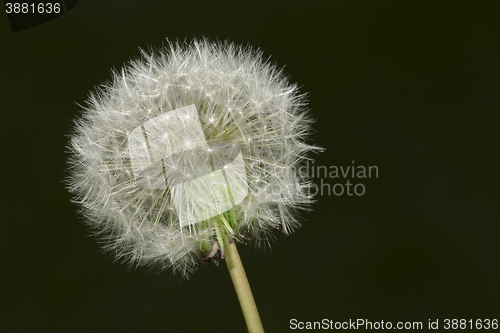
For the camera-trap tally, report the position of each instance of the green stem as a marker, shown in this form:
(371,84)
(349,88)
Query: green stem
(242,288)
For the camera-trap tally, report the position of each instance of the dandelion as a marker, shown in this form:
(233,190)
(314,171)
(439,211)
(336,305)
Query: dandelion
(189,151)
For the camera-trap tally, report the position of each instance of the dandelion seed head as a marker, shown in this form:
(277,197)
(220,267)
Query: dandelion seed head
(158,154)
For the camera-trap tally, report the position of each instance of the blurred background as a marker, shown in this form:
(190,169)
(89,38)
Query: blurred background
(412,87)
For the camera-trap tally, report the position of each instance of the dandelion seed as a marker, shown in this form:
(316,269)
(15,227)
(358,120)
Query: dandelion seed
(154,195)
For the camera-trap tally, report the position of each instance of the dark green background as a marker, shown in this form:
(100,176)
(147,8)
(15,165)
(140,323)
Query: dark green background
(410,86)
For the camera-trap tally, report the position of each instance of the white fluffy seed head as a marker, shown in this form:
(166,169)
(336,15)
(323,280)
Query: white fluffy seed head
(186,146)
